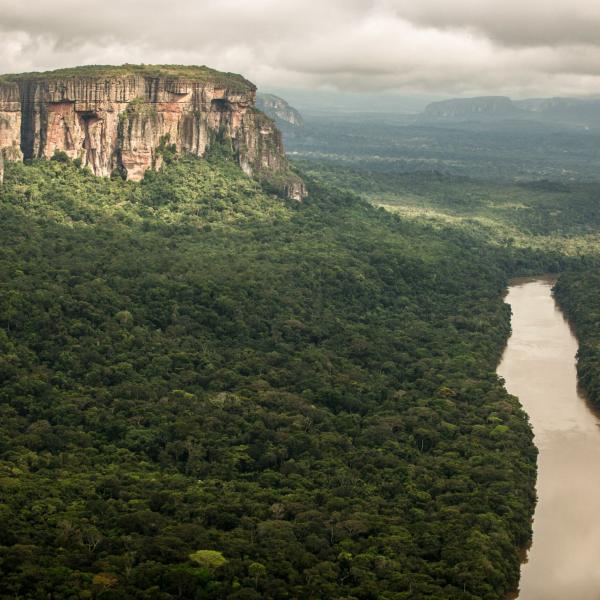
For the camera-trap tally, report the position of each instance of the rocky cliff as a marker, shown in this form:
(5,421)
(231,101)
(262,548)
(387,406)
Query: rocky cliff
(122,118)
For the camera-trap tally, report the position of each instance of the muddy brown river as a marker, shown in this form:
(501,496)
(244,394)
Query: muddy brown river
(538,366)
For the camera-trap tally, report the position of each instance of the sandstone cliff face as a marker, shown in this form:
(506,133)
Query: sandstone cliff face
(10,125)
(121,118)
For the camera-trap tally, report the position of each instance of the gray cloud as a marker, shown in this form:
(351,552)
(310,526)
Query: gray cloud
(450,46)
(511,22)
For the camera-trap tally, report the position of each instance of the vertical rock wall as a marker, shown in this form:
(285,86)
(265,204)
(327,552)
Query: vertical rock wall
(123,121)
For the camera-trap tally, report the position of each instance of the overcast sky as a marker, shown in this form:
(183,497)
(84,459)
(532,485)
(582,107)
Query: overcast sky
(451,47)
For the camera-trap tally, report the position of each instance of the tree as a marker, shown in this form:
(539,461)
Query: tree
(256,570)
(208,559)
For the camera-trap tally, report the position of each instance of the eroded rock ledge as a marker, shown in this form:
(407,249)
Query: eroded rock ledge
(119,118)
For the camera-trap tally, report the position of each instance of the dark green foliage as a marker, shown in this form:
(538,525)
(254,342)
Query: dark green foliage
(60,156)
(194,371)
(166,150)
(579,296)
(221,150)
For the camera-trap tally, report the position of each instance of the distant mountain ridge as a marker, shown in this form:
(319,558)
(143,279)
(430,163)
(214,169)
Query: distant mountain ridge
(580,111)
(279,110)
(468,107)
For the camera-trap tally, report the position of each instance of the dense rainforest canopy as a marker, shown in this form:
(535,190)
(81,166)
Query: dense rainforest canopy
(208,392)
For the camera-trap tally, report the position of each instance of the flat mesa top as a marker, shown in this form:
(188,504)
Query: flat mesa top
(186,72)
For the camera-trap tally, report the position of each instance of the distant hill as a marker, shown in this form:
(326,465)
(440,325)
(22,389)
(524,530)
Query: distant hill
(467,108)
(577,110)
(279,110)
(569,111)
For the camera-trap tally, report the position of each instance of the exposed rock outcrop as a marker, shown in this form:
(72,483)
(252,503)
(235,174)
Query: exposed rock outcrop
(120,118)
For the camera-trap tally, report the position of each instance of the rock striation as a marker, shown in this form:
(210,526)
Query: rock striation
(122,118)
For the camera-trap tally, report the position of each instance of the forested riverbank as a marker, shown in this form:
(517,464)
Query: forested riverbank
(578,294)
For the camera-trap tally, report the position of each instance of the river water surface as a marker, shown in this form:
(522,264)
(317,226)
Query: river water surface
(539,367)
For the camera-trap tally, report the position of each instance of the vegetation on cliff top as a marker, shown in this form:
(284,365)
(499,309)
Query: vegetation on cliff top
(187,72)
(208,393)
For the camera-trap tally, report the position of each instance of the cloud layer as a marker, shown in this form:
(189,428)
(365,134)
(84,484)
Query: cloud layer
(441,46)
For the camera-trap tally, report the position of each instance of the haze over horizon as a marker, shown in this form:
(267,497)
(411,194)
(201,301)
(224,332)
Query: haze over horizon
(408,47)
